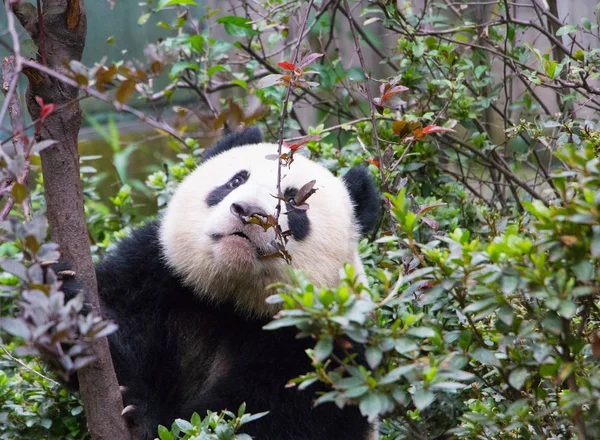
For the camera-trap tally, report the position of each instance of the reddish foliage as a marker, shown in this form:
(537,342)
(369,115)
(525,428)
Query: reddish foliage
(286,65)
(420,133)
(388,90)
(373,161)
(45,109)
(437,129)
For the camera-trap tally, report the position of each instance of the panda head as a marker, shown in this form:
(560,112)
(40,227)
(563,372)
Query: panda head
(207,241)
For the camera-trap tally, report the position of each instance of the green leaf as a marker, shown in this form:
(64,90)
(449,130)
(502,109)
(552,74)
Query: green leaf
(567,309)
(479,305)
(550,68)
(404,345)
(241,83)
(215,69)
(19,192)
(373,404)
(423,398)
(568,29)
(396,373)
(374,356)
(486,357)
(323,348)
(237,26)
(242,409)
(356,392)
(164,434)
(181,66)
(164,3)
(184,425)
(197,42)
(506,315)
(144,18)
(421,332)
(447,386)
(284,322)
(584,271)
(247,418)
(518,377)
(586,23)
(196,420)
(595,246)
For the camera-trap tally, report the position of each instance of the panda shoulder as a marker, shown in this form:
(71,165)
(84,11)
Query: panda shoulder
(135,264)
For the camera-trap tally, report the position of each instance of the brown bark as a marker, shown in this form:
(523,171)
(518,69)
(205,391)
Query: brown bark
(63,33)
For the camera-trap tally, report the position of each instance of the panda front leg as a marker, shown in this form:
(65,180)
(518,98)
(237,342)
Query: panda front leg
(143,375)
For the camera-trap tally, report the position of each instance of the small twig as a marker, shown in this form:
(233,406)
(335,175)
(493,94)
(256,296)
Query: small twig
(284,114)
(368,90)
(27,367)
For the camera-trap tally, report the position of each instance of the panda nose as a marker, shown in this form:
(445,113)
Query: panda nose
(243,210)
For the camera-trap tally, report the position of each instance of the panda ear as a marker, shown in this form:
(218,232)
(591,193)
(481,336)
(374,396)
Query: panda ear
(365,197)
(247,136)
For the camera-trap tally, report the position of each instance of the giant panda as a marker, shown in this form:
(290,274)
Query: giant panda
(188,293)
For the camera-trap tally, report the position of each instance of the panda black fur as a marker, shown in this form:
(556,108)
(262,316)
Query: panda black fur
(188,345)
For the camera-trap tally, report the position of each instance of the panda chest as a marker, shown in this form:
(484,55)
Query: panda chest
(214,347)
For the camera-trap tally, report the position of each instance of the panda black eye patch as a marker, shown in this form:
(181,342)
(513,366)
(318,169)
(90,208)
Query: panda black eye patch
(297,218)
(217,195)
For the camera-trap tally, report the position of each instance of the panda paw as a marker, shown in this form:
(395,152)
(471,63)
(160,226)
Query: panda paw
(64,273)
(135,415)
(129,411)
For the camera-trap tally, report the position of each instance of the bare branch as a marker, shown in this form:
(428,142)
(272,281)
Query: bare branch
(367,88)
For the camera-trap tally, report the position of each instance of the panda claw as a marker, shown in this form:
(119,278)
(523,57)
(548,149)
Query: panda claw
(128,409)
(65,274)
(122,389)
(48,263)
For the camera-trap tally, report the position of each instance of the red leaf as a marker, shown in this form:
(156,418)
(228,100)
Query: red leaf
(373,161)
(286,65)
(308,59)
(388,90)
(393,91)
(45,109)
(300,142)
(436,129)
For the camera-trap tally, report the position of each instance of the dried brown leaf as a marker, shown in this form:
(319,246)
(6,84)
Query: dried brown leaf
(305,192)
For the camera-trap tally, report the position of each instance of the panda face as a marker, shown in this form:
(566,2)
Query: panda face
(207,240)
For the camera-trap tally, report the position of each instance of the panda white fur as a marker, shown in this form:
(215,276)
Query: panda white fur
(188,293)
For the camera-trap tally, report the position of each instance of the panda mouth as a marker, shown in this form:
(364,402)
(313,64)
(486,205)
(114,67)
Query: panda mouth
(241,234)
(259,250)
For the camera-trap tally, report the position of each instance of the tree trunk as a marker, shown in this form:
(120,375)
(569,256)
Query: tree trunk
(60,40)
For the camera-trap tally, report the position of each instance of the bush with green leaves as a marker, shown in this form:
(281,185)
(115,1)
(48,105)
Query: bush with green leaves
(492,336)
(222,426)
